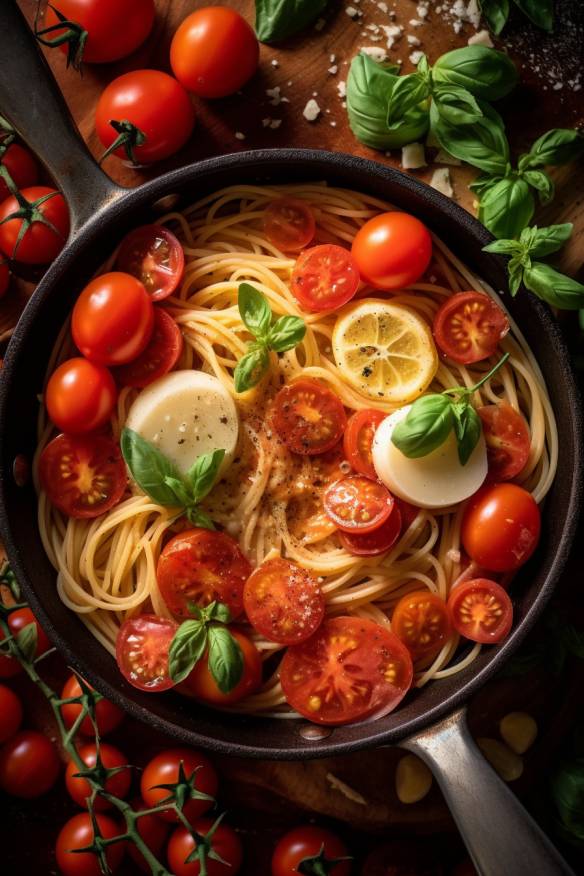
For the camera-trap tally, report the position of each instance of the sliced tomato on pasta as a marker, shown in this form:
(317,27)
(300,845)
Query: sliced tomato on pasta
(142,649)
(289,224)
(469,326)
(325,277)
(308,417)
(154,255)
(159,357)
(379,541)
(481,611)
(421,621)
(358,504)
(358,439)
(507,438)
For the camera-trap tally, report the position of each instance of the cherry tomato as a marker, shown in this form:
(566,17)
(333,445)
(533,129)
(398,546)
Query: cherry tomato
(500,527)
(107,715)
(324,277)
(80,396)
(154,256)
(225,843)
(115,28)
(29,765)
(118,785)
(159,357)
(83,475)
(358,504)
(4,278)
(153,102)
(78,833)
(358,439)
(283,602)
(10,713)
(153,831)
(289,224)
(308,417)
(421,621)
(310,842)
(348,670)
(481,611)
(507,438)
(113,319)
(142,647)
(22,167)
(379,541)
(164,769)
(203,686)
(17,621)
(392,250)
(214,52)
(40,243)
(408,512)
(202,566)
(469,326)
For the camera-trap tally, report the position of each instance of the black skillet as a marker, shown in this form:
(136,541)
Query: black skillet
(432,721)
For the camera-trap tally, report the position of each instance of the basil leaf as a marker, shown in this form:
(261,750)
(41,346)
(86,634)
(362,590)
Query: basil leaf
(484,72)
(504,247)
(149,467)
(408,93)
(558,146)
(187,647)
(539,180)
(199,518)
(456,105)
(482,144)
(507,207)
(180,490)
(250,369)
(555,288)
(541,12)
(278,19)
(483,183)
(26,640)
(254,310)
(567,790)
(286,333)
(467,426)
(515,271)
(496,13)
(544,241)
(217,611)
(203,473)
(225,659)
(426,426)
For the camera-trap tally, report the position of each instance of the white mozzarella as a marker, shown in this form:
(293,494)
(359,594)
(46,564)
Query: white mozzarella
(433,481)
(185,414)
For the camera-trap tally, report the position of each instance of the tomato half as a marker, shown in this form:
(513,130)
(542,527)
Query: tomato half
(78,833)
(142,647)
(153,831)
(358,439)
(507,438)
(225,843)
(159,357)
(201,684)
(107,715)
(40,242)
(4,278)
(201,566)
(481,611)
(324,277)
(10,713)
(29,765)
(154,256)
(308,417)
(80,396)
(500,527)
(308,842)
(358,504)
(118,784)
(22,167)
(289,224)
(469,326)
(379,541)
(164,770)
(115,28)
(392,250)
(83,475)
(421,621)
(349,669)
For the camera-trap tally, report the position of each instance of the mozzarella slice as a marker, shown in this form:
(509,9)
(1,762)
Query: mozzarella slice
(185,414)
(433,481)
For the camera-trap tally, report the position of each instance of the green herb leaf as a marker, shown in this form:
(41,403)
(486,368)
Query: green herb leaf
(408,93)
(538,179)
(254,309)
(286,333)
(504,247)
(555,288)
(484,72)
(567,788)
(187,647)
(515,271)
(541,12)
(541,242)
(26,640)
(456,105)
(507,207)
(482,144)
(149,468)
(558,146)
(426,426)
(179,488)
(217,611)
(250,369)
(199,518)
(496,13)
(279,19)
(467,427)
(225,659)
(203,474)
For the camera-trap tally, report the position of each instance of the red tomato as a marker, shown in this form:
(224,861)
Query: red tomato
(29,765)
(80,396)
(118,785)
(17,621)
(159,357)
(115,28)
(40,243)
(10,713)
(348,670)
(379,541)
(421,621)
(500,527)
(154,256)
(164,770)
(308,417)
(225,843)
(508,440)
(289,224)
(214,52)
(113,319)
(358,504)
(4,278)
(154,103)
(83,475)
(324,277)
(283,602)
(392,250)
(203,686)
(202,566)
(107,715)
(22,167)
(469,326)
(481,611)
(78,833)
(358,439)
(408,512)
(153,831)
(310,842)
(142,647)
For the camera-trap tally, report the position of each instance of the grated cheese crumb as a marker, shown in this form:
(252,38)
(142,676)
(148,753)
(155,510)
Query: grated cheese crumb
(311,111)
(441,181)
(375,52)
(275,96)
(352,12)
(383,7)
(342,88)
(481,38)
(415,23)
(416,57)
(413,41)
(333,70)
(413,156)
(275,63)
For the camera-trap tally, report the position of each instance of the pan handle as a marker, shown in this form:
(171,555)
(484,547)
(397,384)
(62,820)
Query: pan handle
(493,823)
(32,101)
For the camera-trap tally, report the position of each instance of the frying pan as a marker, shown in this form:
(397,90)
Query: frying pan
(431,722)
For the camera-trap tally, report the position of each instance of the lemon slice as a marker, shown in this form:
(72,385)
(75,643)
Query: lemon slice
(384,350)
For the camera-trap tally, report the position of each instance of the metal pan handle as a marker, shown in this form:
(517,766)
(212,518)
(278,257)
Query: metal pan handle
(501,837)
(32,101)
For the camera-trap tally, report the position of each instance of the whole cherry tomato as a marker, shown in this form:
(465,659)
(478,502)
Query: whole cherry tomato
(164,769)
(392,250)
(78,833)
(22,167)
(41,242)
(224,842)
(310,843)
(118,785)
(10,713)
(107,715)
(80,396)
(29,765)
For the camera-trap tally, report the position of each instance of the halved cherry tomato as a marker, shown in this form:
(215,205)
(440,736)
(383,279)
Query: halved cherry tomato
(289,224)
(358,504)
(507,438)
(408,512)
(83,475)
(10,713)
(118,784)
(308,417)
(201,566)
(469,326)
(159,357)
(154,256)
(22,167)
(40,243)
(500,527)
(324,277)
(379,541)
(4,278)
(358,439)
(392,250)
(283,602)
(309,843)
(80,396)
(164,769)
(108,716)
(29,765)
(224,842)
(78,833)
(421,621)
(153,831)
(481,611)
(349,669)
(142,647)
(203,686)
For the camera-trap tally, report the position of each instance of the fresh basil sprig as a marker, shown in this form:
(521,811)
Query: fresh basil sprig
(206,633)
(496,13)
(160,479)
(285,334)
(279,19)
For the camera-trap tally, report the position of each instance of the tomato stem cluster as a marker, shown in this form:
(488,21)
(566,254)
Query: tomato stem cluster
(68,32)
(129,137)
